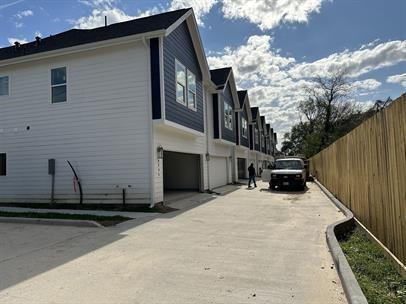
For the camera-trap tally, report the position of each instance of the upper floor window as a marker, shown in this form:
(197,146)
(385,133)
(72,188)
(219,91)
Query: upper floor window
(256,136)
(191,88)
(185,86)
(262,139)
(228,116)
(244,126)
(3,164)
(4,85)
(58,85)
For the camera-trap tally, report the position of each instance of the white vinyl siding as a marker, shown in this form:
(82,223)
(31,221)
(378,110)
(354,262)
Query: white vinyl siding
(103,130)
(4,85)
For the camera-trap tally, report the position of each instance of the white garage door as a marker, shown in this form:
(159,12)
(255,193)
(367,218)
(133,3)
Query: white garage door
(218,171)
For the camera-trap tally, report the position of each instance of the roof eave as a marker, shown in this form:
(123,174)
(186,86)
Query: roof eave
(83,47)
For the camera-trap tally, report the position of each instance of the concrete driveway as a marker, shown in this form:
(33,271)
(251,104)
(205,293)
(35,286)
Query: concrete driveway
(250,246)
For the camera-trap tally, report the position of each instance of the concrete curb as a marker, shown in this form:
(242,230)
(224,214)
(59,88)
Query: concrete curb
(350,284)
(53,222)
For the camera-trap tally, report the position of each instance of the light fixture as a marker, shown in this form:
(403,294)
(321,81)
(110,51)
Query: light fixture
(160,152)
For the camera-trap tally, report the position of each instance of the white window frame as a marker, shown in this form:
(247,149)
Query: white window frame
(58,85)
(244,126)
(6,164)
(256,135)
(8,86)
(191,106)
(186,102)
(228,115)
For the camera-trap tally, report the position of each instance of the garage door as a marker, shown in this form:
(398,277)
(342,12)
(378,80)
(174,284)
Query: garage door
(218,171)
(181,171)
(242,167)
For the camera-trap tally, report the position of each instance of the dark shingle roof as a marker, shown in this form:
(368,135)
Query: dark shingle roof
(219,76)
(263,120)
(268,128)
(77,37)
(254,111)
(241,97)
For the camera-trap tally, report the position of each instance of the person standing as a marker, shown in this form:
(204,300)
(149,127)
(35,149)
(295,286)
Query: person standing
(251,174)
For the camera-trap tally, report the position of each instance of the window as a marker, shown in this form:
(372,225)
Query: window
(58,85)
(228,116)
(180,83)
(262,139)
(256,136)
(244,126)
(185,86)
(3,164)
(4,85)
(191,88)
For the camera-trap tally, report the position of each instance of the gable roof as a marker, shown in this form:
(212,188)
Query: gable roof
(220,76)
(241,97)
(255,112)
(77,37)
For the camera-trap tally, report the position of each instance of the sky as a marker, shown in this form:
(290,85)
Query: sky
(274,46)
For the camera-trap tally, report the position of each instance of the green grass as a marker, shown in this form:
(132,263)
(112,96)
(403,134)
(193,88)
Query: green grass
(376,275)
(103,220)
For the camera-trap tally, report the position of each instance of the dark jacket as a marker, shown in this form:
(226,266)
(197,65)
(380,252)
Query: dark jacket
(251,171)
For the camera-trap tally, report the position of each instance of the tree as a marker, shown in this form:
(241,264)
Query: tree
(326,114)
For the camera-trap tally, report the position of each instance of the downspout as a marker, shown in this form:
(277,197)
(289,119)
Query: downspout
(151,126)
(207,141)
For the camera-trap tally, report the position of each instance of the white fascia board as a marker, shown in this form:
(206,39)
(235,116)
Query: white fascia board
(83,47)
(190,19)
(248,108)
(177,128)
(231,80)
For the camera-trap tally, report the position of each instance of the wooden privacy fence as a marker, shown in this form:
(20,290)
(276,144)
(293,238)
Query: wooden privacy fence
(366,170)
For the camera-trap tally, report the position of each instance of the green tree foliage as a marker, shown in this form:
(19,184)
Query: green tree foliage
(327,114)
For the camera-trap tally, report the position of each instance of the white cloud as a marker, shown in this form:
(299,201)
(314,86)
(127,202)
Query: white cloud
(271,13)
(275,82)
(367,84)
(96,19)
(23,14)
(38,34)
(356,63)
(200,7)
(13,40)
(102,8)
(400,79)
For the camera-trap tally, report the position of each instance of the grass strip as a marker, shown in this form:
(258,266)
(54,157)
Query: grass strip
(103,220)
(376,275)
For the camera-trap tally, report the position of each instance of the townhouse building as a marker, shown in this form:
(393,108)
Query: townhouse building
(125,111)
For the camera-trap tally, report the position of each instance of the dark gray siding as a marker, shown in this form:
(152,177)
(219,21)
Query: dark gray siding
(251,137)
(216,116)
(237,126)
(179,45)
(155,79)
(227,134)
(243,141)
